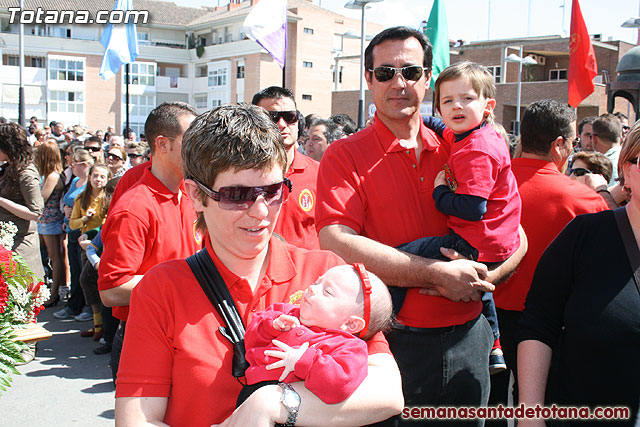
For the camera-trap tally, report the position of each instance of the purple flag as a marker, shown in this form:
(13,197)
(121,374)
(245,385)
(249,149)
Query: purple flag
(266,24)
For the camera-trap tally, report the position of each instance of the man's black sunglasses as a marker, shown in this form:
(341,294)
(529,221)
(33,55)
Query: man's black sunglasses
(411,72)
(94,149)
(134,155)
(290,117)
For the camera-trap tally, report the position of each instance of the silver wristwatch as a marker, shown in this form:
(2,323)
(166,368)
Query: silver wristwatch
(291,401)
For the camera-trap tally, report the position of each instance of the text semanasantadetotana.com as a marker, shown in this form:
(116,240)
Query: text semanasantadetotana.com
(517,412)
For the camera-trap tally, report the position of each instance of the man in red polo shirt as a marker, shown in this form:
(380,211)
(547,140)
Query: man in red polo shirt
(374,193)
(550,200)
(296,223)
(152,222)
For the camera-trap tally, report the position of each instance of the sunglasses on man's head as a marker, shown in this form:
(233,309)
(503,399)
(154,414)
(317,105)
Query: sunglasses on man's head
(94,149)
(113,157)
(411,72)
(289,116)
(238,198)
(579,171)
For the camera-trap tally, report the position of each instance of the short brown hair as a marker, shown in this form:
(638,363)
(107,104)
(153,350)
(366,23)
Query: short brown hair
(164,120)
(237,137)
(480,78)
(596,162)
(607,127)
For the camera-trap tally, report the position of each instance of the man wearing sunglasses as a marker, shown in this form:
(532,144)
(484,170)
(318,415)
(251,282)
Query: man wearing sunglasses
(94,146)
(150,222)
(550,200)
(375,192)
(296,223)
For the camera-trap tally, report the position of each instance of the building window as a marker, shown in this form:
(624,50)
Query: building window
(496,72)
(216,103)
(240,72)
(62,69)
(140,105)
(143,74)
(308,31)
(307,64)
(143,37)
(557,74)
(201,71)
(218,77)
(66,102)
(11,60)
(39,30)
(200,101)
(306,97)
(333,75)
(137,127)
(37,62)
(60,32)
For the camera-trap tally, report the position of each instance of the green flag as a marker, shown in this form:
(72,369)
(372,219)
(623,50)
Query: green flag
(438,33)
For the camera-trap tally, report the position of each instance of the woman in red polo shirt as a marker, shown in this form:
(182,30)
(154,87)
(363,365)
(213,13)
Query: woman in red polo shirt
(176,365)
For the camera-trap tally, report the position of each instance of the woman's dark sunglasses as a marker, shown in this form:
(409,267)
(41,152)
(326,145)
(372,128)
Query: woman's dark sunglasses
(384,73)
(113,157)
(579,171)
(94,149)
(242,198)
(289,116)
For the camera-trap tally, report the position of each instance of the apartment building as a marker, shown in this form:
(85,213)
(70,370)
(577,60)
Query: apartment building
(196,55)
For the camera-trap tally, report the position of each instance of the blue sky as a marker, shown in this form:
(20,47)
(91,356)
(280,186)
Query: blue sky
(468,19)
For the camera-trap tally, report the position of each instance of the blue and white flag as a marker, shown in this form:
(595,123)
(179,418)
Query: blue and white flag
(120,43)
(266,24)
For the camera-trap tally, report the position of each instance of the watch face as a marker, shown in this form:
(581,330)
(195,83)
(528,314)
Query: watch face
(291,399)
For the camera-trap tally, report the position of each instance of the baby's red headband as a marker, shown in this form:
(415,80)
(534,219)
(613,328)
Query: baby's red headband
(366,290)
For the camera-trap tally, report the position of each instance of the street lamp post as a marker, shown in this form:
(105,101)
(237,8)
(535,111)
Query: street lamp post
(361,4)
(632,23)
(526,61)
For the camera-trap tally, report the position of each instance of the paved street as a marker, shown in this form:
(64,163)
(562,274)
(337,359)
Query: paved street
(66,385)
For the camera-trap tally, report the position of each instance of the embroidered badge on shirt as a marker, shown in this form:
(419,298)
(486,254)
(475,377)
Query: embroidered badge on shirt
(451,180)
(306,200)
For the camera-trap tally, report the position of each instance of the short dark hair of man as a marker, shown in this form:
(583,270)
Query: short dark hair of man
(544,121)
(586,121)
(608,128)
(596,162)
(273,92)
(310,118)
(95,139)
(230,137)
(399,33)
(331,130)
(345,122)
(164,120)
(621,116)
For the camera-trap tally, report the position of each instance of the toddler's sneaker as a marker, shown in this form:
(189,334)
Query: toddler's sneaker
(496,361)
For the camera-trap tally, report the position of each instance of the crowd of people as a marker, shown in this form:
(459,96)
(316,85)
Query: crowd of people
(510,272)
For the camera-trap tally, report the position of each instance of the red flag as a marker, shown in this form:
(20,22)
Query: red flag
(582,59)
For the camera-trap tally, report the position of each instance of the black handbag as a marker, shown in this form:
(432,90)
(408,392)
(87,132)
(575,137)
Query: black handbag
(216,290)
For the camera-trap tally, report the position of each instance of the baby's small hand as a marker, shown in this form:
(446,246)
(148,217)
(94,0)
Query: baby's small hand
(440,179)
(285,322)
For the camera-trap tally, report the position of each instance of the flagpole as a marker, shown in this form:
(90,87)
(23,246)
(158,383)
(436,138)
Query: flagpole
(126,76)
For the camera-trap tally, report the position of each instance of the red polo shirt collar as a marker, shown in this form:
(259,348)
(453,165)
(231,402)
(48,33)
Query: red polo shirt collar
(391,144)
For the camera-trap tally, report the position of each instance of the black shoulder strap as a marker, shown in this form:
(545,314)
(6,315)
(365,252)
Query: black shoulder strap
(630,244)
(216,290)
